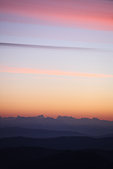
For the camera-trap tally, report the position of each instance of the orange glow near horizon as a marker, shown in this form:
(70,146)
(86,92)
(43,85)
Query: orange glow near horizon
(77,115)
(50,97)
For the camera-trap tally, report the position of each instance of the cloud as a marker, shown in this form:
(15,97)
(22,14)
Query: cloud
(46,46)
(88,14)
(16,70)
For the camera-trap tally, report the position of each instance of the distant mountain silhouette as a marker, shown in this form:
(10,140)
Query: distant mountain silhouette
(62,143)
(35,133)
(86,126)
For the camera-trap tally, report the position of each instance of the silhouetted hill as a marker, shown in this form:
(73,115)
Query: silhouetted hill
(90,127)
(33,158)
(34,133)
(64,143)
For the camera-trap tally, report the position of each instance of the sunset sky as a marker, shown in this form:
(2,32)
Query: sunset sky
(56,58)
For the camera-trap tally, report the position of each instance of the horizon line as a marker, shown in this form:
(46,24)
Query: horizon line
(44,116)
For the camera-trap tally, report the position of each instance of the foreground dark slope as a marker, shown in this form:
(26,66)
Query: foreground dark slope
(65,146)
(64,143)
(40,158)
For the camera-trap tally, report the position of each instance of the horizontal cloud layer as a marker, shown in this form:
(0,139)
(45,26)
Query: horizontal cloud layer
(46,46)
(51,72)
(85,13)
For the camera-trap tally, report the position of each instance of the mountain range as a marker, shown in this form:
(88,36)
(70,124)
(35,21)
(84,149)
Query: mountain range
(41,126)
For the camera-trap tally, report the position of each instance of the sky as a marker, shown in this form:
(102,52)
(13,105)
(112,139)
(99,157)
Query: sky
(56,58)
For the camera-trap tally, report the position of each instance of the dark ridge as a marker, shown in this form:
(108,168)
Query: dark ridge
(35,133)
(60,143)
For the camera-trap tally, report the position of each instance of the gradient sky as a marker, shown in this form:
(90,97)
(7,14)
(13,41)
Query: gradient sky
(56,58)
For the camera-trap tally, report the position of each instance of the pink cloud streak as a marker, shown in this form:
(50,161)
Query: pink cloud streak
(89,14)
(6,69)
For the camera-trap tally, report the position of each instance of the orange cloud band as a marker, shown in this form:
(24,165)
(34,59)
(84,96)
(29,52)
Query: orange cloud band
(51,72)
